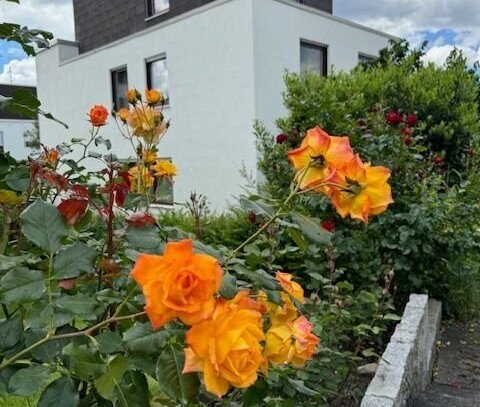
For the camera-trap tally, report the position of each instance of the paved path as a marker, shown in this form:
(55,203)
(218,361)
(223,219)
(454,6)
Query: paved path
(456,381)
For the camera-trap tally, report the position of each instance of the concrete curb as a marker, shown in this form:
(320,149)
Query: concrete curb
(406,365)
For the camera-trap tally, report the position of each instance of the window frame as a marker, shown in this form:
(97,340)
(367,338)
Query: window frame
(150,60)
(150,7)
(113,72)
(318,45)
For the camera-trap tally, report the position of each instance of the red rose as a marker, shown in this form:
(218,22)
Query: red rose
(393,118)
(411,120)
(282,138)
(328,224)
(252,218)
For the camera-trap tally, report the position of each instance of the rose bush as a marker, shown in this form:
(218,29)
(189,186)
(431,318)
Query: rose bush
(98,297)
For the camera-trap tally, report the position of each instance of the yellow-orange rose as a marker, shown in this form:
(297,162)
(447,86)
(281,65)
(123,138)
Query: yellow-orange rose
(179,284)
(226,347)
(292,343)
(279,314)
(147,122)
(98,115)
(291,287)
(133,96)
(164,168)
(306,343)
(124,114)
(278,344)
(140,180)
(149,156)
(153,96)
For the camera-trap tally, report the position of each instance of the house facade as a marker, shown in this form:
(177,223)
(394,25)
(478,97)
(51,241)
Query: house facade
(17,132)
(221,63)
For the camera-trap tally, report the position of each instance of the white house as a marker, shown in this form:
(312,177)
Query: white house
(220,61)
(14,127)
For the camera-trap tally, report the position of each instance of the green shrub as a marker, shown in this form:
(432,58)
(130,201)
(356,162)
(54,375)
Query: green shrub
(430,237)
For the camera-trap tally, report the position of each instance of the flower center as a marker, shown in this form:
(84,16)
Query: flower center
(318,161)
(354,187)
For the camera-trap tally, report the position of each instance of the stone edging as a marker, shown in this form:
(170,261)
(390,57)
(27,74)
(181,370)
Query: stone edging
(406,365)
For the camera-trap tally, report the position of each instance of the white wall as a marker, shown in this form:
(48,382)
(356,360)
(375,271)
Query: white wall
(209,59)
(13,140)
(226,63)
(278,28)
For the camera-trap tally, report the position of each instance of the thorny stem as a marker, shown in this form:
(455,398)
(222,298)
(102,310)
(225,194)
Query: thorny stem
(85,332)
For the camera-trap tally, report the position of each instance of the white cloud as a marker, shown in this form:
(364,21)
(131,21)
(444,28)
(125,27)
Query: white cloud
(19,71)
(55,16)
(414,19)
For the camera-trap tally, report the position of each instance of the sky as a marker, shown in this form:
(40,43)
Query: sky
(445,24)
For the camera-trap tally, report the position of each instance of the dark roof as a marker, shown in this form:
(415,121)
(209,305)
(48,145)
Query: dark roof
(8,90)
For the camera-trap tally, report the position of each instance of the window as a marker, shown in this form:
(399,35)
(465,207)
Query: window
(313,58)
(155,7)
(157,75)
(365,58)
(119,88)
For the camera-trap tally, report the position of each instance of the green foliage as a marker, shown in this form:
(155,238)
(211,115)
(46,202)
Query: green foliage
(429,238)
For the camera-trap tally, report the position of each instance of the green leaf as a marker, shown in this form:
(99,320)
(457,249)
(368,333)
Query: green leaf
(80,304)
(38,315)
(21,285)
(109,342)
(110,380)
(257,207)
(43,225)
(135,389)
(18,179)
(171,380)
(9,262)
(141,338)
(312,229)
(27,382)
(11,332)
(299,385)
(61,392)
(229,286)
(86,363)
(255,394)
(145,239)
(74,261)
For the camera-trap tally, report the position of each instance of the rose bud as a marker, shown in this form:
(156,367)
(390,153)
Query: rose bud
(411,120)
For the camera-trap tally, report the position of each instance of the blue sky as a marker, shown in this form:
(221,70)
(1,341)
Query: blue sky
(443,23)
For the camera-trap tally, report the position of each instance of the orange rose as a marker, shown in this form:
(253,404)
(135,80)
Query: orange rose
(124,114)
(226,347)
(179,284)
(318,157)
(98,115)
(365,190)
(153,96)
(291,287)
(133,96)
(279,314)
(292,343)
(306,343)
